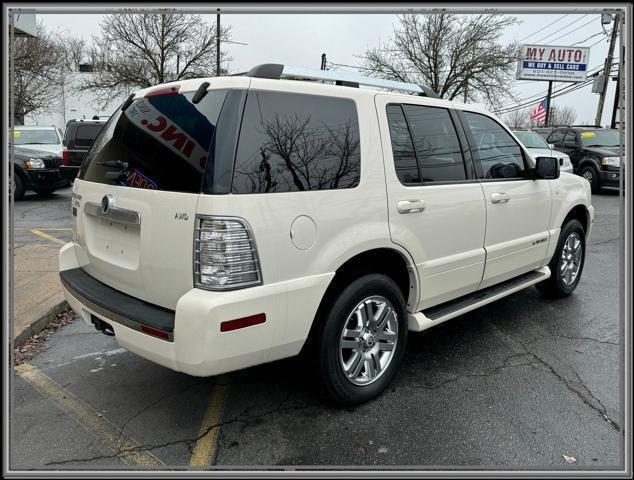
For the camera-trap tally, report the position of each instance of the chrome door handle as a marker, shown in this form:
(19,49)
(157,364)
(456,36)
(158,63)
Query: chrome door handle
(410,206)
(500,197)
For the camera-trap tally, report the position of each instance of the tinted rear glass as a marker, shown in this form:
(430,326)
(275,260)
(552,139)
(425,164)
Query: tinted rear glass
(293,142)
(86,134)
(158,142)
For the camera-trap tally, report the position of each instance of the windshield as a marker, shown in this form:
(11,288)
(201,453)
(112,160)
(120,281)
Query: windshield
(531,139)
(35,137)
(600,138)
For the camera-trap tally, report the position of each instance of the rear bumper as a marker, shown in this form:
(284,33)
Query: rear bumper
(196,345)
(69,172)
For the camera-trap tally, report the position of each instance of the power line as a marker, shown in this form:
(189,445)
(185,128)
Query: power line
(563,28)
(592,36)
(544,28)
(541,94)
(572,31)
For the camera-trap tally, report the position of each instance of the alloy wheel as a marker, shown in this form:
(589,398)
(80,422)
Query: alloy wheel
(368,340)
(571,258)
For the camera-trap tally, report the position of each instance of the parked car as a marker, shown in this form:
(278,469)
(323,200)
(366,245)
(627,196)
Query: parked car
(537,146)
(78,138)
(38,137)
(227,222)
(36,170)
(593,151)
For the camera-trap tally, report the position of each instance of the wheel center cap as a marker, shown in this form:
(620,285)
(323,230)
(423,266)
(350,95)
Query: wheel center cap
(368,338)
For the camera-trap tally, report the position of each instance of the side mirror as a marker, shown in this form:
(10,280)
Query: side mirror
(546,168)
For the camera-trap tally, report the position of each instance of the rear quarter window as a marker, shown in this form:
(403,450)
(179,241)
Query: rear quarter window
(295,142)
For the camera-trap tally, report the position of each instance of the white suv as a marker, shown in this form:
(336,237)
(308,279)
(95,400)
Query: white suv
(227,222)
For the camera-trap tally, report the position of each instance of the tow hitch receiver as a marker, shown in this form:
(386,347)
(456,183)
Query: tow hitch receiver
(102,326)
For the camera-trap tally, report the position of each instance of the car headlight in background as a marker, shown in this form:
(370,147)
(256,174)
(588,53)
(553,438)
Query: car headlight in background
(35,163)
(611,161)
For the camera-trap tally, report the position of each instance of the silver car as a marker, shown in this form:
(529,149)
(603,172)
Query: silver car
(48,139)
(537,147)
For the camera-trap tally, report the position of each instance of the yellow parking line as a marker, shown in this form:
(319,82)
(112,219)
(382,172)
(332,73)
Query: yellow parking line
(110,434)
(47,236)
(205,448)
(46,229)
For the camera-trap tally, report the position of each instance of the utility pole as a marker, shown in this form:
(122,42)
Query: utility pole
(323,61)
(550,93)
(617,92)
(218,43)
(606,69)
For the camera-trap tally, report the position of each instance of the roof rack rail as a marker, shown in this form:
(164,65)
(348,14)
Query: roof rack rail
(278,71)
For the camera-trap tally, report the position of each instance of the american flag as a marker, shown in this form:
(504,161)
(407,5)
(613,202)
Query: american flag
(538,112)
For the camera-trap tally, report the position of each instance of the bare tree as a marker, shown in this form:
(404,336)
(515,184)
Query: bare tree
(564,115)
(37,65)
(141,50)
(457,56)
(519,119)
(73,49)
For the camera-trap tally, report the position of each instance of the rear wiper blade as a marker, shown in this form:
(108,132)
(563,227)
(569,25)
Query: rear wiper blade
(114,164)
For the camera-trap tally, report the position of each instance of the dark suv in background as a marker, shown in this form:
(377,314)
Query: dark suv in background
(594,152)
(79,137)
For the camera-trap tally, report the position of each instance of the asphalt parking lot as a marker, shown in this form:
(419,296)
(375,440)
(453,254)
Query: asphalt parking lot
(519,383)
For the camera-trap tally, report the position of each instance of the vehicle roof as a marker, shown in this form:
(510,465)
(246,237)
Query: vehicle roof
(307,87)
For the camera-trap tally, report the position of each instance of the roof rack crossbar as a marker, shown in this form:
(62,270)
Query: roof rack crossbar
(278,71)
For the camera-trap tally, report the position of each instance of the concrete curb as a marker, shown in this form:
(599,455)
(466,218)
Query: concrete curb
(40,324)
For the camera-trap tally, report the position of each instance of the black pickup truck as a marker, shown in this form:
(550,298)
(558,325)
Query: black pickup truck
(79,137)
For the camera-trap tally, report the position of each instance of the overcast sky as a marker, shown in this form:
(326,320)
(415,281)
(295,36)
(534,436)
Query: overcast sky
(300,39)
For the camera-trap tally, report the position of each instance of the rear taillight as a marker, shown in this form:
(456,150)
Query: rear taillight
(65,158)
(225,255)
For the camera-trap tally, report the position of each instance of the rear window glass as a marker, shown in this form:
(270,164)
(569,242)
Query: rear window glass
(158,142)
(86,134)
(294,142)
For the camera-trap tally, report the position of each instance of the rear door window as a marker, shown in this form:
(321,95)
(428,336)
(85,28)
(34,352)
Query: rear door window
(436,144)
(159,142)
(295,142)
(405,162)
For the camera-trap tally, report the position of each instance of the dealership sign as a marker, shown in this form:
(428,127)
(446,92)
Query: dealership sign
(546,62)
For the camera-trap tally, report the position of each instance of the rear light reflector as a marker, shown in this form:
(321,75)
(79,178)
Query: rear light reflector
(225,255)
(65,157)
(242,322)
(155,332)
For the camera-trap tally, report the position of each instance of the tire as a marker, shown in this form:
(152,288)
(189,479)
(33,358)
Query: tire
(44,192)
(18,187)
(565,260)
(365,351)
(591,174)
